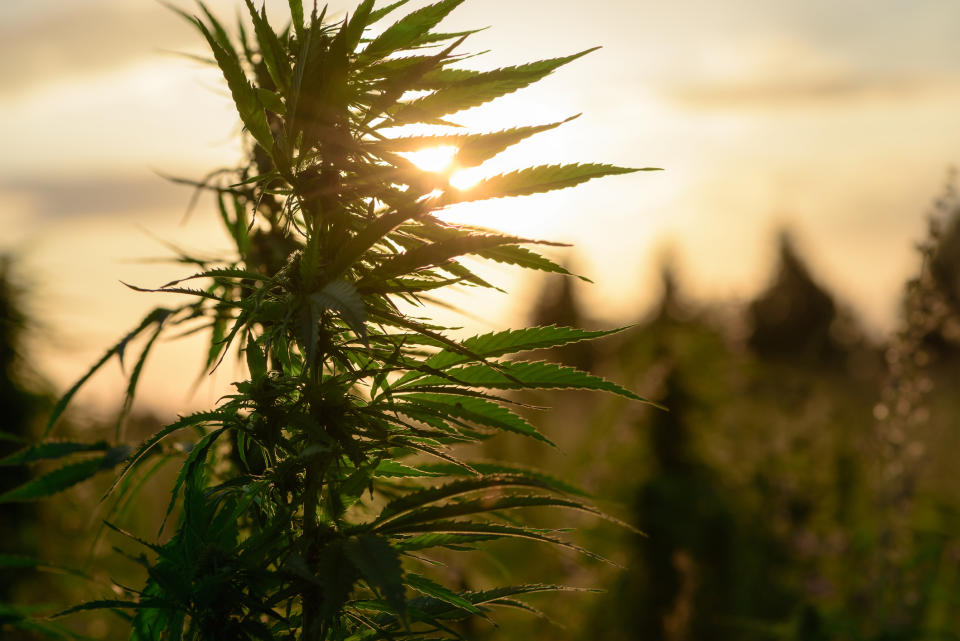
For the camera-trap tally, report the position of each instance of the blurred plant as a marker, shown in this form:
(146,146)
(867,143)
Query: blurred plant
(314,526)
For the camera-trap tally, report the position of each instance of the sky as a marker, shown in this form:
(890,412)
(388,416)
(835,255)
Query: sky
(835,120)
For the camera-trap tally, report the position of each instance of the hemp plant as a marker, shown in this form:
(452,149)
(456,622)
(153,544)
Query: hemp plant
(316,492)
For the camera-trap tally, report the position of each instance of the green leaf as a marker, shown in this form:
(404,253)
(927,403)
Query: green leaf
(244,95)
(497,467)
(296,17)
(272,101)
(394,469)
(256,359)
(432,540)
(523,257)
(52,450)
(476,410)
(270,49)
(191,468)
(342,297)
(508,531)
(473,149)
(425,586)
(478,88)
(525,375)
(118,349)
(135,375)
(110,604)
(379,14)
(379,563)
(512,341)
(406,31)
(472,507)
(53,482)
(418,499)
(433,254)
(353,31)
(533,180)
(134,459)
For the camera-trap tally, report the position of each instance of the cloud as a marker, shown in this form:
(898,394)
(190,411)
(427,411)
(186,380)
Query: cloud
(99,196)
(790,70)
(808,92)
(83,38)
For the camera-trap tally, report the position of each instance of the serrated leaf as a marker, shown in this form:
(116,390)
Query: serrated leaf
(525,375)
(430,588)
(55,481)
(509,531)
(526,258)
(476,410)
(197,457)
(432,540)
(512,341)
(353,31)
(472,149)
(533,180)
(432,254)
(406,30)
(420,498)
(471,507)
(244,96)
(496,467)
(478,88)
(390,468)
(296,17)
(379,14)
(52,450)
(270,49)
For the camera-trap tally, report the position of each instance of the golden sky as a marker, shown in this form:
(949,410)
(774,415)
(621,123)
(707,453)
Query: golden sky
(835,119)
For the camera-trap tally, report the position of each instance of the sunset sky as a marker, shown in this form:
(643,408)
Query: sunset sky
(836,120)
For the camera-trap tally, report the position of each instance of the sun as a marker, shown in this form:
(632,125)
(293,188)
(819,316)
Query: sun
(442,160)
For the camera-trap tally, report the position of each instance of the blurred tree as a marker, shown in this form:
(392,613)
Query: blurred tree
(20,406)
(793,317)
(559,304)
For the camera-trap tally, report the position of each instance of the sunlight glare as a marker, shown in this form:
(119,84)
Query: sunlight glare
(466,178)
(435,159)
